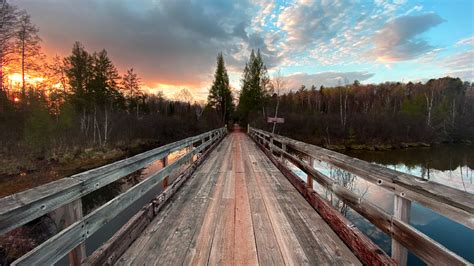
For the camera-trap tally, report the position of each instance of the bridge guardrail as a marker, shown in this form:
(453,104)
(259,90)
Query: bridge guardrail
(452,203)
(23,207)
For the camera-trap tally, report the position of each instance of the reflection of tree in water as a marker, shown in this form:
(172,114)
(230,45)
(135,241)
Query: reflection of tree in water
(107,193)
(101,196)
(347,180)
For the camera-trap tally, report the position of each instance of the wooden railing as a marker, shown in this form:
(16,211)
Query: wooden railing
(454,204)
(21,208)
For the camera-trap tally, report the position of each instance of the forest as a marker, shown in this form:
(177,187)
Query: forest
(359,116)
(60,110)
(61,115)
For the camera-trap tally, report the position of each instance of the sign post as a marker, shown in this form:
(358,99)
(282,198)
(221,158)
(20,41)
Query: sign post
(275,120)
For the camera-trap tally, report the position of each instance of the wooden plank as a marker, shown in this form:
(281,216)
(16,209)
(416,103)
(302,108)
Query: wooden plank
(114,247)
(455,204)
(54,248)
(73,213)
(401,210)
(289,246)
(23,207)
(246,249)
(200,247)
(320,244)
(222,248)
(361,245)
(380,218)
(268,250)
(149,248)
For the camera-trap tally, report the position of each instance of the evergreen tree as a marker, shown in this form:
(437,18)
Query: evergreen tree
(255,83)
(105,77)
(78,69)
(27,47)
(131,89)
(220,96)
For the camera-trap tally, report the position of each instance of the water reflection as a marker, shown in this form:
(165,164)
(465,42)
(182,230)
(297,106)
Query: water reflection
(451,165)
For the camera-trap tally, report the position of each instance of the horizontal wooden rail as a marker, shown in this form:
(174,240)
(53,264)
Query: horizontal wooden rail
(21,208)
(420,244)
(111,250)
(453,203)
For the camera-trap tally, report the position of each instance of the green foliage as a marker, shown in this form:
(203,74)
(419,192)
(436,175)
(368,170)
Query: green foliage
(220,95)
(415,106)
(38,125)
(255,83)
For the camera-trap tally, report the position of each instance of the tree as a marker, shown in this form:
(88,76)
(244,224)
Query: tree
(27,47)
(254,90)
(131,89)
(184,95)
(277,84)
(220,95)
(8,22)
(105,93)
(78,69)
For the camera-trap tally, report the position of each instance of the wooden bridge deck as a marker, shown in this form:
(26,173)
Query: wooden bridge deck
(238,208)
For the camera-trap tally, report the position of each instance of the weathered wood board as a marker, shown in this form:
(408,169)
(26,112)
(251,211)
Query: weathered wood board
(238,209)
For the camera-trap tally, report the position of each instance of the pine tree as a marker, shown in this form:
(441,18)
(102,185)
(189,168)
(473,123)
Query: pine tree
(255,83)
(131,89)
(220,95)
(78,69)
(27,47)
(105,77)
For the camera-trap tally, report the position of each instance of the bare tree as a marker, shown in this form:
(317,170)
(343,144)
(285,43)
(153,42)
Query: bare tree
(27,47)
(8,21)
(184,95)
(277,83)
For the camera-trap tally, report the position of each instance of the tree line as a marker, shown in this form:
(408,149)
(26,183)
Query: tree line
(81,100)
(387,115)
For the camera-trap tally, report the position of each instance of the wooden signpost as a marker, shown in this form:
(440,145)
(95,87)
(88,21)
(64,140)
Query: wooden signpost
(278,120)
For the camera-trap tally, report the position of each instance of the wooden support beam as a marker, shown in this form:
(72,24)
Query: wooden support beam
(420,244)
(453,203)
(309,178)
(165,163)
(73,213)
(401,210)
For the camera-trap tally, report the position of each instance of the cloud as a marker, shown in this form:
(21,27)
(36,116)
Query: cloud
(327,79)
(167,41)
(466,41)
(399,39)
(332,32)
(460,65)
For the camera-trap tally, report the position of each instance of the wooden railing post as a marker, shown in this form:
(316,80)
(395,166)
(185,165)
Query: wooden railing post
(270,145)
(309,178)
(190,149)
(283,148)
(165,162)
(73,213)
(401,210)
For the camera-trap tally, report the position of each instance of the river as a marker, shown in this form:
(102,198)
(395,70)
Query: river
(451,165)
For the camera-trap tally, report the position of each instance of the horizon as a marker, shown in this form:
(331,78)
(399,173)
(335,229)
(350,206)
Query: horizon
(310,42)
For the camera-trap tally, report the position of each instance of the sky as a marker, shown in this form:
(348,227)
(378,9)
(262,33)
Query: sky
(173,44)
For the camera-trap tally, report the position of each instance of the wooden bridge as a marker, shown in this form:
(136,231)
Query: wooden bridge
(233,199)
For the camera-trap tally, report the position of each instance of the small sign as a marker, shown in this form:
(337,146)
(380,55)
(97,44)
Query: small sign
(278,120)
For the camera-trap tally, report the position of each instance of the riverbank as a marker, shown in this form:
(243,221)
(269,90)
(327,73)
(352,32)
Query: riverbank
(19,173)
